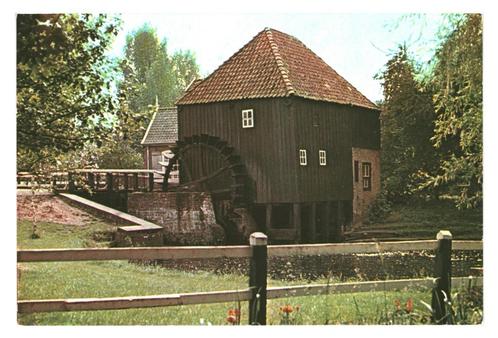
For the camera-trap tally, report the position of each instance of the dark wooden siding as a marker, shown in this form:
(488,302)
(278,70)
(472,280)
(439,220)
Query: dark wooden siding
(270,150)
(324,126)
(366,128)
(267,150)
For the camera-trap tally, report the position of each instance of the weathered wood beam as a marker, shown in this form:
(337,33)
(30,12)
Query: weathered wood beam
(269,216)
(312,223)
(86,304)
(37,255)
(296,220)
(370,286)
(326,222)
(115,303)
(45,255)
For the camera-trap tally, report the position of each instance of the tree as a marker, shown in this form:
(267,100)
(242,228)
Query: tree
(407,124)
(153,76)
(64,84)
(158,75)
(457,86)
(185,70)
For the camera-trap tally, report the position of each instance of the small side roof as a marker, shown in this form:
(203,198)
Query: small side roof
(163,128)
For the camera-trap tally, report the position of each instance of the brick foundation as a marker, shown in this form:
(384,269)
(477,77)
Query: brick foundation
(188,218)
(363,198)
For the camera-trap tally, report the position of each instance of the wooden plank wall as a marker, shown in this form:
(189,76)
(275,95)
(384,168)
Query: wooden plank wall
(366,129)
(324,126)
(267,150)
(282,126)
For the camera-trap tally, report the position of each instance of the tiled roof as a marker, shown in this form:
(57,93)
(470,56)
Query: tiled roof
(163,128)
(275,64)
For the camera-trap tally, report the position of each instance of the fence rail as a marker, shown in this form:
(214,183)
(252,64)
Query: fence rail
(258,252)
(96,180)
(119,303)
(231,251)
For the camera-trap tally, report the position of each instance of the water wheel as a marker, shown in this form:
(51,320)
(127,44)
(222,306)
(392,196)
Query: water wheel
(209,164)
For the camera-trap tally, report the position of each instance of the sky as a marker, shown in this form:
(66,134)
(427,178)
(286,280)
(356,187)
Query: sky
(355,45)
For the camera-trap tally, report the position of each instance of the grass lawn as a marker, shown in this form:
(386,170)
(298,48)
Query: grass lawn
(423,221)
(120,278)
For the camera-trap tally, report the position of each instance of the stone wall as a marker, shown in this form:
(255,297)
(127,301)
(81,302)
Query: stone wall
(363,198)
(188,218)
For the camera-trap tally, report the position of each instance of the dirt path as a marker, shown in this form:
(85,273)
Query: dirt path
(46,207)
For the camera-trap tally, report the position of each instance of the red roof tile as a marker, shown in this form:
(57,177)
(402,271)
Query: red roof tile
(275,64)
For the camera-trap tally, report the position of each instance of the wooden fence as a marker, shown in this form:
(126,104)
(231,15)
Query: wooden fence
(257,293)
(96,180)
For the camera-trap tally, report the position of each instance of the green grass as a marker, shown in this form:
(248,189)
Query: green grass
(53,235)
(54,280)
(424,220)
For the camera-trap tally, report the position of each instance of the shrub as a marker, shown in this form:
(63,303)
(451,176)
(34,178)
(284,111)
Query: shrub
(379,209)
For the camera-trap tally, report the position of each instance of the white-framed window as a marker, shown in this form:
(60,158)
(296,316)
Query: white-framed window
(302,157)
(322,157)
(247,118)
(366,171)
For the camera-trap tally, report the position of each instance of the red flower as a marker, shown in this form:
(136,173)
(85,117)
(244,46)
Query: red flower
(409,305)
(233,316)
(286,309)
(398,304)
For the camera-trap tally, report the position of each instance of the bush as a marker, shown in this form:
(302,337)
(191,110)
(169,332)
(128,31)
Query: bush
(379,209)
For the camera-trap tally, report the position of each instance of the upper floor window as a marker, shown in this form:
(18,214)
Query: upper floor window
(366,170)
(302,157)
(322,157)
(247,118)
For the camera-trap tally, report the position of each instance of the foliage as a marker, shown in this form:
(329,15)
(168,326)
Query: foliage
(432,119)
(153,76)
(64,84)
(457,87)
(406,118)
(379,209)
(120,155)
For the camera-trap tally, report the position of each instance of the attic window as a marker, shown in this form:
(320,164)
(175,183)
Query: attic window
(247,118)
(322,157)
(302,157)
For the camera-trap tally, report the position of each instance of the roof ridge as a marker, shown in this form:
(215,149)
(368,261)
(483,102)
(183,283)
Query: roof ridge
(203,81)
(349,84)
(280,62)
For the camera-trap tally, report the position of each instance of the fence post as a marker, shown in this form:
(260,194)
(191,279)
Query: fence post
(257,278)
(109,181)
(91,181)
(151,181)
(70,180)
(135,181)
(54,182)
(442,289)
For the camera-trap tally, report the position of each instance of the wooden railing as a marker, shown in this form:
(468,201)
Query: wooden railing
(96,180)
(257,293)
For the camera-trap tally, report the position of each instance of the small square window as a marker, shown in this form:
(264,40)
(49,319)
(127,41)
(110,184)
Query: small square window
(366,171)
(322,157)
(247,118)
(302,157)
